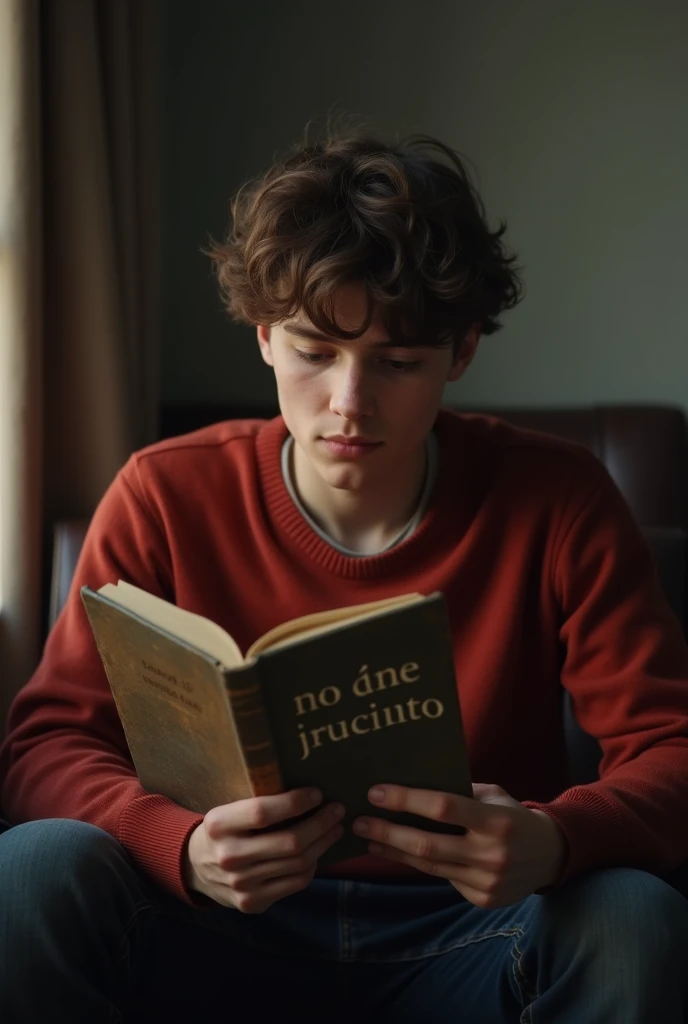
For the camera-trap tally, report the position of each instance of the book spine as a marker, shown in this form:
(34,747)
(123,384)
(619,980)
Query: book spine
(251,722)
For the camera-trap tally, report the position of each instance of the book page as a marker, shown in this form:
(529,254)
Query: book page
(192,628)
(320,622)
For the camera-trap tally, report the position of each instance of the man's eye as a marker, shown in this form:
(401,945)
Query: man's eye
(403,365)
(310,357)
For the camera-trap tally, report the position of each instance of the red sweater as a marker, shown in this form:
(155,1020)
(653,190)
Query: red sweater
(547,580)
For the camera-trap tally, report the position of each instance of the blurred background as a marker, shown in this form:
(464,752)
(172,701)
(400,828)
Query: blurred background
(127,125)
(573,113)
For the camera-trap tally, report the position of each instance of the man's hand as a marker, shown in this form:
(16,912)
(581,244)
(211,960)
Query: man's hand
(507,853)
(230,860)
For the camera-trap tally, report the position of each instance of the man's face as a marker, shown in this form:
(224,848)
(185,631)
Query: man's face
(358,410)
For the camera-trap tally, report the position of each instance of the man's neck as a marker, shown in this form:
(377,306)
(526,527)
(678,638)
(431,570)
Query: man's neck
(365,521)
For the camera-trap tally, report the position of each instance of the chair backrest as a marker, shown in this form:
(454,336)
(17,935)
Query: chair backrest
(644,447)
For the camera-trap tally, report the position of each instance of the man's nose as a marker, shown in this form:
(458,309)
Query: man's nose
(352,395)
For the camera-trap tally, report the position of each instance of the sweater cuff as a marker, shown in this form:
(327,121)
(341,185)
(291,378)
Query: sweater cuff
(587,836)
(155,832)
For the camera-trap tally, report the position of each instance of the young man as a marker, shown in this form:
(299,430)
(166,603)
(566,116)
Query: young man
(372,275)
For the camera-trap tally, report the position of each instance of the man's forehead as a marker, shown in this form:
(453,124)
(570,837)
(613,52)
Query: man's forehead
(377,337)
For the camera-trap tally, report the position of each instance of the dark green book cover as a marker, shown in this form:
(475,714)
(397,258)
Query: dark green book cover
(366,702)
(371,702)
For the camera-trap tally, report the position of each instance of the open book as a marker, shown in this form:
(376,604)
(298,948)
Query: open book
(341,700)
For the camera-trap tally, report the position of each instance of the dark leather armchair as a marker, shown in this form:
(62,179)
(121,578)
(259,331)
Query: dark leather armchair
(645,448)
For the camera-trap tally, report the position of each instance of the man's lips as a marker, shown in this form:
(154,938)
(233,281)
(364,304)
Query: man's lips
(354,446)
(353,439)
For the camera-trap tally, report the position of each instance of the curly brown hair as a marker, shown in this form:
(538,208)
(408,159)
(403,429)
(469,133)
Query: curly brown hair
(404,220)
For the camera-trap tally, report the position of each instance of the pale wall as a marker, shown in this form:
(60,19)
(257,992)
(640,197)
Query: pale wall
(575,115)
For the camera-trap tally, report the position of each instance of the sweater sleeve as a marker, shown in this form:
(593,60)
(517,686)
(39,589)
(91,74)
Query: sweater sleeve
(65,754)
(625,664)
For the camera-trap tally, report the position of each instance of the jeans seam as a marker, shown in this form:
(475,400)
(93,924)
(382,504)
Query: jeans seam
(436,951)
(125,941)
(528,993)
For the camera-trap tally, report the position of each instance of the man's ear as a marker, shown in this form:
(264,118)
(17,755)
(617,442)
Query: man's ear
(263,333)
(464,357)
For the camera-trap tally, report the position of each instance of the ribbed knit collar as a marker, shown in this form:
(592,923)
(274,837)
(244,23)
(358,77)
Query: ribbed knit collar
(436,530)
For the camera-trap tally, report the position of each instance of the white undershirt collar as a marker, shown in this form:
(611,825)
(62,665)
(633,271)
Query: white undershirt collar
(431,465)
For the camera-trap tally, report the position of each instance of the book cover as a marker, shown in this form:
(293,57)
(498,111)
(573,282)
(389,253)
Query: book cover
(363,702)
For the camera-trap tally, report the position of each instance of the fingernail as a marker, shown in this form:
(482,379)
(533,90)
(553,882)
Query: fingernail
(361,828)
(376,794)
(339,811)
(315,795)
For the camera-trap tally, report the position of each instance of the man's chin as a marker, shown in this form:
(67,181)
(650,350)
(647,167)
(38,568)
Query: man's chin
(342,482)
(344,478)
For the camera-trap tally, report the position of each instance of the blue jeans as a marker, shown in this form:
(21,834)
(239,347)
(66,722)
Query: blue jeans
(86,939)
